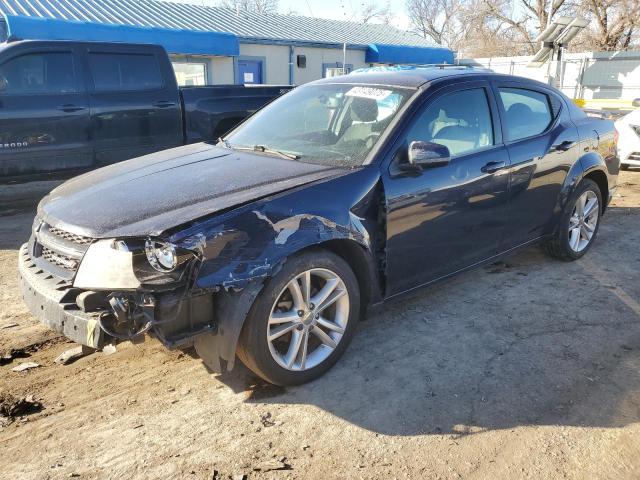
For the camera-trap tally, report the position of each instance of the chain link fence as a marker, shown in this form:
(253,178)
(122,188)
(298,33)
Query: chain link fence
(600,80)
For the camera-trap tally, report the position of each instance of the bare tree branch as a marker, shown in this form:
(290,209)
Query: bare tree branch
(257,6)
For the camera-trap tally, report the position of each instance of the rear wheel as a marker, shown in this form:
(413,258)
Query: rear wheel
(302,321)
(624,166)
(579,224)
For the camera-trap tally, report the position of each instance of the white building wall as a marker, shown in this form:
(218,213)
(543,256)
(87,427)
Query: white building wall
(220,70)
(316,57)
(276,59)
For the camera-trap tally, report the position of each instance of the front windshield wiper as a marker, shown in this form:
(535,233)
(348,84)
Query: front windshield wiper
(266,149)
(224,142)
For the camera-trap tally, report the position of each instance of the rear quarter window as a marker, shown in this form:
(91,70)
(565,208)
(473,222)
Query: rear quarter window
(117,71)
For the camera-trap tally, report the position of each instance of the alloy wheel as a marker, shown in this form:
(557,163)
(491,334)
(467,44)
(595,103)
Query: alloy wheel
(583,221)
(308,319)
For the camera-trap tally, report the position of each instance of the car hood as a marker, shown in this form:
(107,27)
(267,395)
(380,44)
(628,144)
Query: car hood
(151,194)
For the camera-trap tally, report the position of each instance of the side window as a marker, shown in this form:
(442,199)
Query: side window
(460,120)
(528,112)
(116,71)
(33,73)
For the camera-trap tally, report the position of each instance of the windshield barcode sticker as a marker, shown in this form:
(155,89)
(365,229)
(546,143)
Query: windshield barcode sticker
(368,92)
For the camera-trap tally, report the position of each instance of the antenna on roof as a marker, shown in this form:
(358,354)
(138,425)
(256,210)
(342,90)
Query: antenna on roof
(555,39)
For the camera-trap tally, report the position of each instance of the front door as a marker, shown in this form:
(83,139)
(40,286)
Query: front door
(249,72)
(44,113)
(443,219)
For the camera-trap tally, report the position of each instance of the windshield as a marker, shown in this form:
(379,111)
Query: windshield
(326,124)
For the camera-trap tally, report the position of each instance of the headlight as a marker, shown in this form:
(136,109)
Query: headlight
(128,264)
(161,255)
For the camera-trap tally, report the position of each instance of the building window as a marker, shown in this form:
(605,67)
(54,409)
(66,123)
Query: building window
(190,73)
(330,70)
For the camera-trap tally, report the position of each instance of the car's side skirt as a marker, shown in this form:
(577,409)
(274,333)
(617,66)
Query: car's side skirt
(462,270)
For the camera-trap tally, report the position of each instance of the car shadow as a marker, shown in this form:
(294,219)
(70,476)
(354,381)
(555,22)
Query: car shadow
(525,341)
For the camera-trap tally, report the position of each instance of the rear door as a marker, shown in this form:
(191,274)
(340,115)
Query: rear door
(135,105)
(543,144)
(44,111)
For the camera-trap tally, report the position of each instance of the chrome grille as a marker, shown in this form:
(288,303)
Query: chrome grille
(68,236)
(59,260)
(58,251)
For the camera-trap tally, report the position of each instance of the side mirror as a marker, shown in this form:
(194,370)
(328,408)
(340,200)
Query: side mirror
(636,103)
(428,155)
(4,83)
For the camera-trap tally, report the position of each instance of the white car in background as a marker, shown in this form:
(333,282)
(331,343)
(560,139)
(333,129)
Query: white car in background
(628,128)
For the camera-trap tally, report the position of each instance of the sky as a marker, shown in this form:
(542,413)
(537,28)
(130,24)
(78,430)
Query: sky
(335,9)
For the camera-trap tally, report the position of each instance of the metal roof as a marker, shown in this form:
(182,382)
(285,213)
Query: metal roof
(248,26)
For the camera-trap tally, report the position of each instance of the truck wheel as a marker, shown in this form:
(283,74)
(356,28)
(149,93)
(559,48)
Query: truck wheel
(579,223)
(303,319)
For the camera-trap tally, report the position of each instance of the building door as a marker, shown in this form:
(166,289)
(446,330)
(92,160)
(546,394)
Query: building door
(249,71)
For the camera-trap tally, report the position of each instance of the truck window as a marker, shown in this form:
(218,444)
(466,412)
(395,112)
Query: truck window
(528,112)
(38,73)
(117,71)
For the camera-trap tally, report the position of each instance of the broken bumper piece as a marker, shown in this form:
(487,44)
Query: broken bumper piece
(52,301)
(96,319)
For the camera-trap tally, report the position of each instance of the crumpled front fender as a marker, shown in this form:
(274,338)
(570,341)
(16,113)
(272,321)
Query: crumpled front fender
(247,245)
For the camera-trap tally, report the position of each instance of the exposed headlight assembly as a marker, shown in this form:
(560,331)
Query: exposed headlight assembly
(161,255)
(128,264)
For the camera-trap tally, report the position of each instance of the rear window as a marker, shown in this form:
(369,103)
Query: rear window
(34,73)
(115,71)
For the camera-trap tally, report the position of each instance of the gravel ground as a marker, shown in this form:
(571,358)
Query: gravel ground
(528,368)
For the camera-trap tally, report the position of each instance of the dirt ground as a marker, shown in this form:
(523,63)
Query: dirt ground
(528,368)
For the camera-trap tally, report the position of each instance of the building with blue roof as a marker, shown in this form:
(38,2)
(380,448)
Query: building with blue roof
(214,45)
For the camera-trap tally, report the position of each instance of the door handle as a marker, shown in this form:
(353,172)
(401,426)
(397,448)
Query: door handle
(70,108)
(163,104)
(493,167)
(563,146)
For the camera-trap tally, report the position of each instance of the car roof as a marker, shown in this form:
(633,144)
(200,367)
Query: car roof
(414,77)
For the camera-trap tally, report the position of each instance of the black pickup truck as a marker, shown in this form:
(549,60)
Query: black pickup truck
(79,105)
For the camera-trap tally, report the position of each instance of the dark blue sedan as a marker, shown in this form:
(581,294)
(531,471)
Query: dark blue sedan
(346,192)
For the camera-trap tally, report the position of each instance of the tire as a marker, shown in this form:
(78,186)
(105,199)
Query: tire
(562,245)
(624,166)
(275,311)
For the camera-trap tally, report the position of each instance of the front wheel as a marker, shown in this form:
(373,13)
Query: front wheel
(579,223)
(303,319)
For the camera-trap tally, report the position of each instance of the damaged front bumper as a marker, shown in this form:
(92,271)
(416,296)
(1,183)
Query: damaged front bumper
(53,302)
(96,319)
(210,321)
